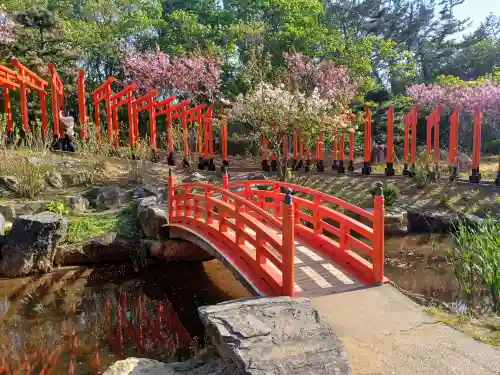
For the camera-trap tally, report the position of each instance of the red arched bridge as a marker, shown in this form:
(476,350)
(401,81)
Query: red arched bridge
(281,238)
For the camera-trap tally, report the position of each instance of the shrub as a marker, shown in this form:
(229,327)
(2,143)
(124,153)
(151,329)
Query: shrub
(391,193)
(476,258)
(422,173)
(29,174)
(57,207)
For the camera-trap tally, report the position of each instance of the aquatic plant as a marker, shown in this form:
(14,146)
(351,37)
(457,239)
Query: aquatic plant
(476,259)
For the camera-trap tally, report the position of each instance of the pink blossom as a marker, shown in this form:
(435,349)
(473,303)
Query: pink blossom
(485,96)
(193,76)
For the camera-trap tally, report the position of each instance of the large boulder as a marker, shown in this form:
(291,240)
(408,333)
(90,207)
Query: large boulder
(108,197)
(54,179)
(178,251)
(262,335)
(204,363)
(108,248)
(395,221)
(197,177)
(151,218)
(8,182)
(78,203)
(259,175)
(31,208)
(31,244)
(435,220)
(8,212)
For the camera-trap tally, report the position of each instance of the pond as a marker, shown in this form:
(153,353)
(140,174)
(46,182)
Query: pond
(81,320)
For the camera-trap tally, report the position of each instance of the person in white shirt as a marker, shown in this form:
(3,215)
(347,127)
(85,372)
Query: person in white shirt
(69,131)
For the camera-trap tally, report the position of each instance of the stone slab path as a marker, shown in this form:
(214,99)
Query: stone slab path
(385,333)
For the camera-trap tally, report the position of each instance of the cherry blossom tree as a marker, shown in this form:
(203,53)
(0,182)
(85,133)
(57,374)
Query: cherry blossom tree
(191,76)
(274,112)
(485,96)
(332,83)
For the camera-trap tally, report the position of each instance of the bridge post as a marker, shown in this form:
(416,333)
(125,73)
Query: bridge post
(288,254)
(378,231)
(170,198)
(225,181)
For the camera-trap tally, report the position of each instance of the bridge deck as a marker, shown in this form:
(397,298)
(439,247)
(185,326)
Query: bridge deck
(315,274)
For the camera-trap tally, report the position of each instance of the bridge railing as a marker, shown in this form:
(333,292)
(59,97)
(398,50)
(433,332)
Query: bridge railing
(318,218)
(231,218)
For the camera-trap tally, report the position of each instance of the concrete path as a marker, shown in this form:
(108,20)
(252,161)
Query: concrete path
(386,333)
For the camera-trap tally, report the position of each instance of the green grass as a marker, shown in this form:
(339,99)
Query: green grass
(485,329)
(83,228)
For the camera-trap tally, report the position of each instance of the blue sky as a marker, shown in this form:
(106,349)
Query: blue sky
(477,10)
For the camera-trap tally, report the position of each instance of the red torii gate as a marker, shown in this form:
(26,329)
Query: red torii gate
(180,111)
(27,80)
(146,103)
(9,80)
(119,99)
(104,92)
(164,107)
(57,89)
(194,115)
(433,124)
(411,120)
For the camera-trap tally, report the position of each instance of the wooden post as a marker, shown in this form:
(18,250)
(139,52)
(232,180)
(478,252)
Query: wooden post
(171,192)
(82,108)
(436,119)
(288,254)
(475,176)
(341,153)
(109,115)
(43,110)
(224,139)
(367,169)
(350,168)
(414,136)
(97,115)
(378,232)
(406,156)
(295,151)
(170,136)
(265,161)
(8,109)
(320,166)
(453,148)
(301,153)
(389,170)
(335,144)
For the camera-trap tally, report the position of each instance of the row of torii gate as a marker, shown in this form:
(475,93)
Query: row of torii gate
(25,80)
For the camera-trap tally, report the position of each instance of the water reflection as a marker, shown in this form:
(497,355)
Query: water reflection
(80,321)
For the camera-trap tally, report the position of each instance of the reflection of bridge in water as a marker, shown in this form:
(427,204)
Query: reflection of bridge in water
(309,244)
(131,325)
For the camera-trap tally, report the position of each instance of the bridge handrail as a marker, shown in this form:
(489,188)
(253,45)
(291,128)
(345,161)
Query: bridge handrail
(234,196)
(232,206)
(306,190)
